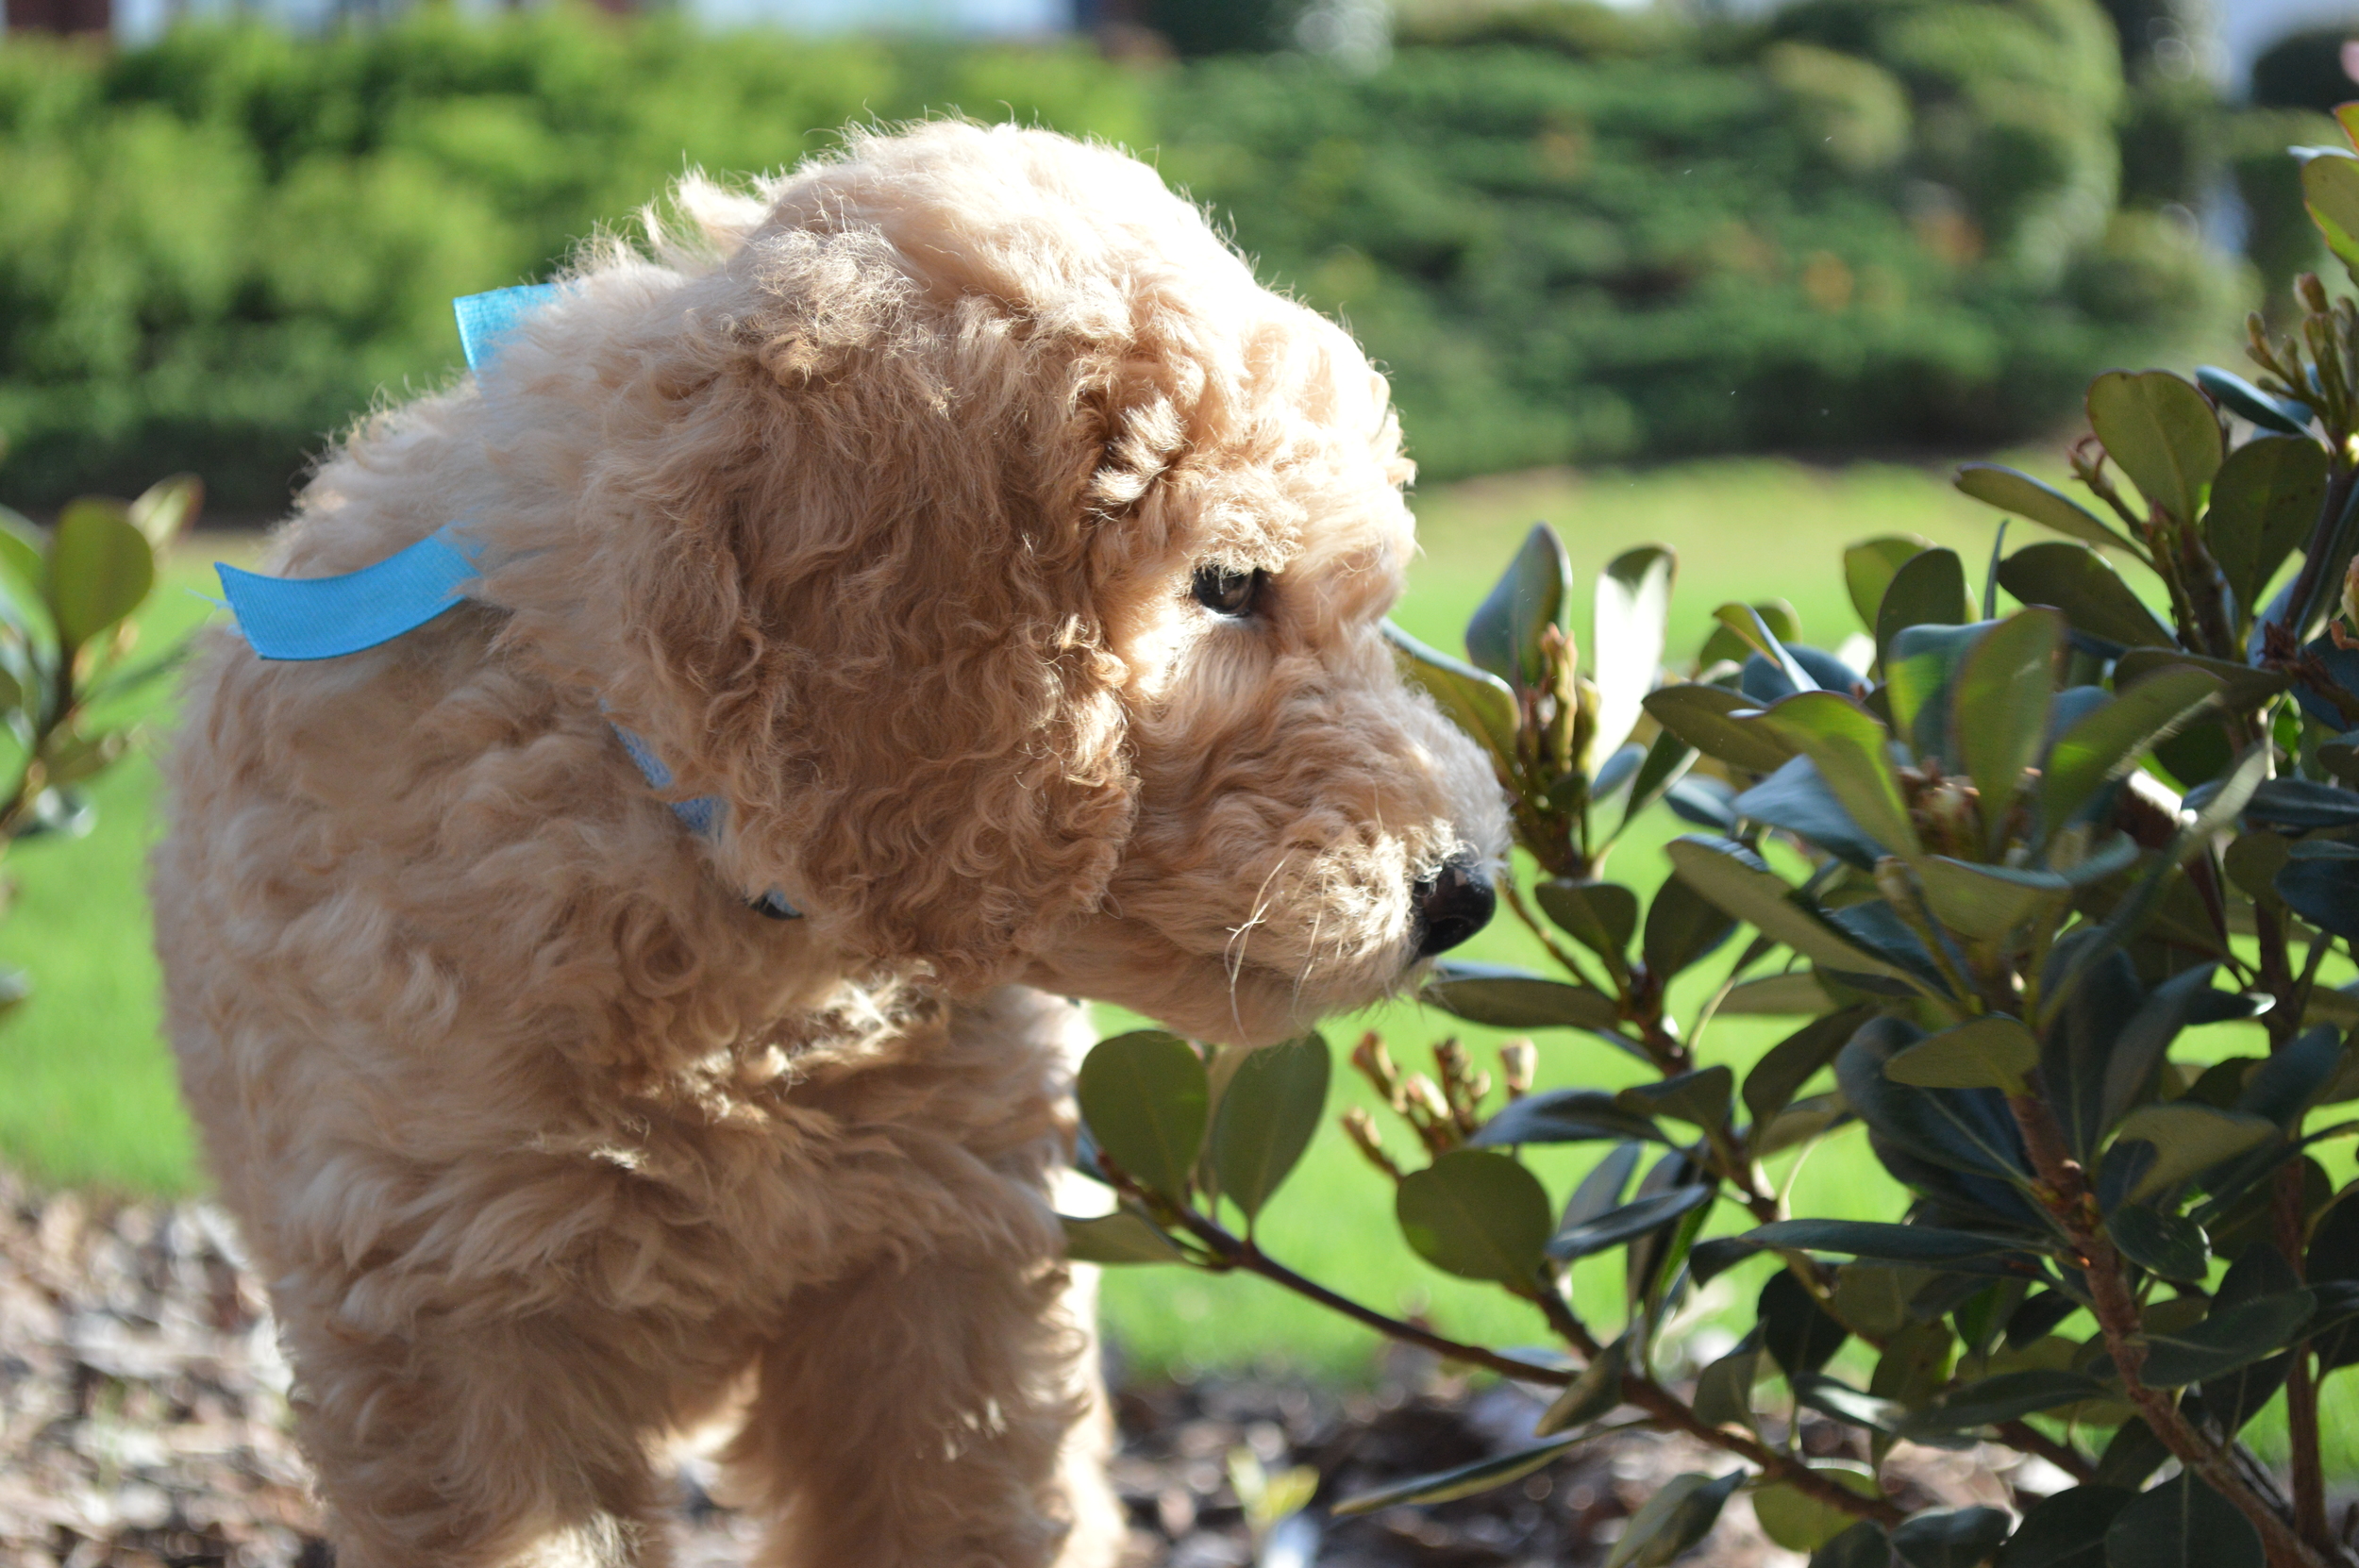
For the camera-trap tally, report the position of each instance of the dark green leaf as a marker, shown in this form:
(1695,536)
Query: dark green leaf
(2078,581)
(1146,1098)
(2066,1530)
(1476,1214)
(1628,1222)
(2004,1399)
(2188,1138)
(2241,398)
(1634,602)
(1476,702)
(1927,590)
(1462,1481)
(1950,1537)
(1682,927)
(2163,433)
(1600,1190)
(1797,799)
(2235,1399)
(1265,1119)
(1779,1074)
(2000,708)
(2334,1259)
(1918,1244)
(2107,743)
(1516,999)
(2182,1524)
(1700,1098)
(1921,671)
(1699,716)
(2043,503)
(2171,1245)
(1125,1235)
(1597,1391)
(1852,751)
(2301,803)
(2281,1087)
(1665,763)
(100,569)
(1994,1051)
(1564,1116)
(1724,1390)
(1868,568)
(2133,1454)
(1679,1514)
(1845,1404)
(2321,883)
(1601,916)
(1961,1130)
(1799,1335)
(1796,992)
(2243,687)
(2124,1054)
(2264,504)
(1535,591)
(2229,1338)
(1863,1545)
(1738,881)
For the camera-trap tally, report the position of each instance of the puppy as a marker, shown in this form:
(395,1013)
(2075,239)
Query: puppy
(960,515)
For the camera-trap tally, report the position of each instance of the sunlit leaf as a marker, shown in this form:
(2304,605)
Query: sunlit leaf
(1268,1111)
(2265,502)
(1797,991)
(1741,883)
(1601,916)
(2107,743)
(2188,1138)
(166,508)
(1699,715)
(100,569)
(1504,635)
(2230,1337)
(2161,432)
(2025,496)
(1475,701)
(2077,581)
(1989,901)
(2329,190)
(1147,1099)
(1633,603)
(1799,1521)
(1125,1235)
(1868,568)
(1476,1214)
(2000,708)
(1994,1051)
(1852,751)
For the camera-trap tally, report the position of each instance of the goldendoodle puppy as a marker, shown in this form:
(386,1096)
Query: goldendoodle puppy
(959,514)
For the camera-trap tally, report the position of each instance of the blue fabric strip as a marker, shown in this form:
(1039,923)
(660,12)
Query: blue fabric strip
(484,319)
(304,618)
(307,618)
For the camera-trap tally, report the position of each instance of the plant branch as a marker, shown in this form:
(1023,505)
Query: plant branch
(2069,1199)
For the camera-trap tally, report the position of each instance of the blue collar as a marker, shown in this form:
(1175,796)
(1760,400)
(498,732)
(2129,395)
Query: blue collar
(307,618)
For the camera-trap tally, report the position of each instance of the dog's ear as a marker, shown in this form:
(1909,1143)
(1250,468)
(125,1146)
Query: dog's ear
(865,608)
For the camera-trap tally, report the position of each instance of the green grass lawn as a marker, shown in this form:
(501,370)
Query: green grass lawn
(90,1098)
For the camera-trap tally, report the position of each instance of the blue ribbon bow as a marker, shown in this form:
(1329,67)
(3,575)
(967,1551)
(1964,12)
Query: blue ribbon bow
(305,618)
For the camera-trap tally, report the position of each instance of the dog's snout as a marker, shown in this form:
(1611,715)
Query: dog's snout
(1452,905)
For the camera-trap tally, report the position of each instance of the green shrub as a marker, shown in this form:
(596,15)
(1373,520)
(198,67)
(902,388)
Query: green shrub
(1991,864)
(1571,234)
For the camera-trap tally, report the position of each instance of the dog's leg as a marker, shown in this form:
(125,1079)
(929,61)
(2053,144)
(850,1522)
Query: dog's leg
(945,1415)
(498,1443)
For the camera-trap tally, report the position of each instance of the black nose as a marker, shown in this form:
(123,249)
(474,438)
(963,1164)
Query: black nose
(1452,905)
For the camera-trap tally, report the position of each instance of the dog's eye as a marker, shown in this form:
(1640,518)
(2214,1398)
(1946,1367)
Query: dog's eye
(1227,591)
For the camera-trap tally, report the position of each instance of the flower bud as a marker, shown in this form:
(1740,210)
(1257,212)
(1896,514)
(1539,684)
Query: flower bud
(1519,1061)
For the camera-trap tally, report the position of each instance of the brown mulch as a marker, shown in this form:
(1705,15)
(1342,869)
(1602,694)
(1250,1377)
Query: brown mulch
(142,1420)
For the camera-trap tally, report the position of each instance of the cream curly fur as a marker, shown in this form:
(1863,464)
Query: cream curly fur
(872,500)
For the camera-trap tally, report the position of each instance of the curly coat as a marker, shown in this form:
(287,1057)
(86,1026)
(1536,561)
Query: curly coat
(873,500)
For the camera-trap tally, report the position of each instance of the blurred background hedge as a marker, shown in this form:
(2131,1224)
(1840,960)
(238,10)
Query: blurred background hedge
(1571,234)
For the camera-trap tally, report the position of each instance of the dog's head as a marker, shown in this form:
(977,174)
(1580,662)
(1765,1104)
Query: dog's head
(1012,564)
